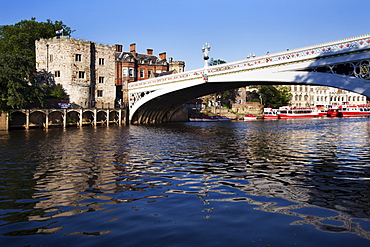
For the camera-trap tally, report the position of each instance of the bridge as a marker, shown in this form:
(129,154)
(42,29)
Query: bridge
(341,64)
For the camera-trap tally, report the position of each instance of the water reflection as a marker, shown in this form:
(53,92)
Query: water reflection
(316,171)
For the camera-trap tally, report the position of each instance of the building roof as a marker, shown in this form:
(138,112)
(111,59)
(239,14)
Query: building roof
(129,57)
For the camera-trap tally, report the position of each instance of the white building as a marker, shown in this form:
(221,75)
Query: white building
(307,96)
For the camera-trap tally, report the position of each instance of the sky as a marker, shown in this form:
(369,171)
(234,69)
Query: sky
(234,28)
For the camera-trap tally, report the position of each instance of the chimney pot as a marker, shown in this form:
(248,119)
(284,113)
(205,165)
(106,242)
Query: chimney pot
(119,48)
(163,56)
(133,49)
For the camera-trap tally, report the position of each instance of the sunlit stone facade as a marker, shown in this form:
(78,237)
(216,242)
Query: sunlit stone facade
(307,96)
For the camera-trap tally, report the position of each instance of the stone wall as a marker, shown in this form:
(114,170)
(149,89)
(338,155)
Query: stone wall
(3,121)
(77,66)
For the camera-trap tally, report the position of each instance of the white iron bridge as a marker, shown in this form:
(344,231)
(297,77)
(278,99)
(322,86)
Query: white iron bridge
(341,64)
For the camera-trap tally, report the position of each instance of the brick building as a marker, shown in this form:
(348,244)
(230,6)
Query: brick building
(94,74)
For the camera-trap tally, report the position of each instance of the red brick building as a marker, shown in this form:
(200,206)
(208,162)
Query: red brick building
(133,66)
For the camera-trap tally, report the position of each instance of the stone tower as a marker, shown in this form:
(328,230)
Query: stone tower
(84,69)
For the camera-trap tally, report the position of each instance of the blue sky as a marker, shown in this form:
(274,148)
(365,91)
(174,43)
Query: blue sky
(234,28)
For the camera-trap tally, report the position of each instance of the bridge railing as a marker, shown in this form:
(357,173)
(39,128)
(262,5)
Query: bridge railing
(336,47)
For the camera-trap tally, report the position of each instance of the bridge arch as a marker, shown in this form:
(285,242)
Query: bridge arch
(343,64)
(159,106)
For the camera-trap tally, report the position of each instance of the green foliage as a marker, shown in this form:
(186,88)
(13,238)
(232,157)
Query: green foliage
(57,91)
(18,85)
(15,71)
(274,96)
(213,62)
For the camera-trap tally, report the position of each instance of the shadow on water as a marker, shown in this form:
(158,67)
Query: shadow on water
(315,171)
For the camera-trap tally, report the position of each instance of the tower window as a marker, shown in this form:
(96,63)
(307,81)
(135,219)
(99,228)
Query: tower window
(78,58)
(81,74)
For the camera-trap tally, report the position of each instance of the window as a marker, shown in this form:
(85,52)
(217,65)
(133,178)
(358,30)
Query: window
(57,73)
(101,79)
(101,61)
(141,73)
(131,72)
(81,74)
(124,72)
(78,58)
(150,73)
(100,93)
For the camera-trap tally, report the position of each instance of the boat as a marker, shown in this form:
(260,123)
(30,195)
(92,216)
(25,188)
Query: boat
(269,113)
(297,112)
(323,111)
(223,118)
(209,119)
(197,118)
(346,110)
(249,117)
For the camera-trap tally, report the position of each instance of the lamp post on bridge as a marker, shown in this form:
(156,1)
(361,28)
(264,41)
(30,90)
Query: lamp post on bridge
(206,49)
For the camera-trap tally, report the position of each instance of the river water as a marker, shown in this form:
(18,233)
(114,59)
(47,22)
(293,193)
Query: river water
(302,182)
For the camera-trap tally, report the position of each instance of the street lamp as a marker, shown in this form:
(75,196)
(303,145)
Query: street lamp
(205,49)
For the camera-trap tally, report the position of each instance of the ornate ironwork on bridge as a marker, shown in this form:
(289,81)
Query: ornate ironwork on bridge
(358,69)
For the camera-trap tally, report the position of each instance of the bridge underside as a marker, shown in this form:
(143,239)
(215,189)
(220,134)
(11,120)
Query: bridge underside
(160,109)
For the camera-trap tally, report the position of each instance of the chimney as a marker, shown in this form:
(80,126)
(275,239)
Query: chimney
(119,48)
(149,51)
(133,49)
(162,56)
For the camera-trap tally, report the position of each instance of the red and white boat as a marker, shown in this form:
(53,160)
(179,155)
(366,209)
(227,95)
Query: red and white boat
(249,117)
(269,113)
(346,110)
(323,111)
(297,112)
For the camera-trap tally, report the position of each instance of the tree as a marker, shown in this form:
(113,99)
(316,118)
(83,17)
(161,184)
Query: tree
(274,96)
(18,85)
(227,98)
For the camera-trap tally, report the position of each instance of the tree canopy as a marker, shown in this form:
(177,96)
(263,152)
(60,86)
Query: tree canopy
(274,96)
(17,60)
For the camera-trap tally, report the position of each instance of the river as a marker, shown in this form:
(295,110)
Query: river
(301,182)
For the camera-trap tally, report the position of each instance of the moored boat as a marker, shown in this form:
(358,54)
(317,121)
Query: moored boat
(223,118)
(346,110)
(322,111)
(197,118)
(269,113)
(297,112)
(249,117)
